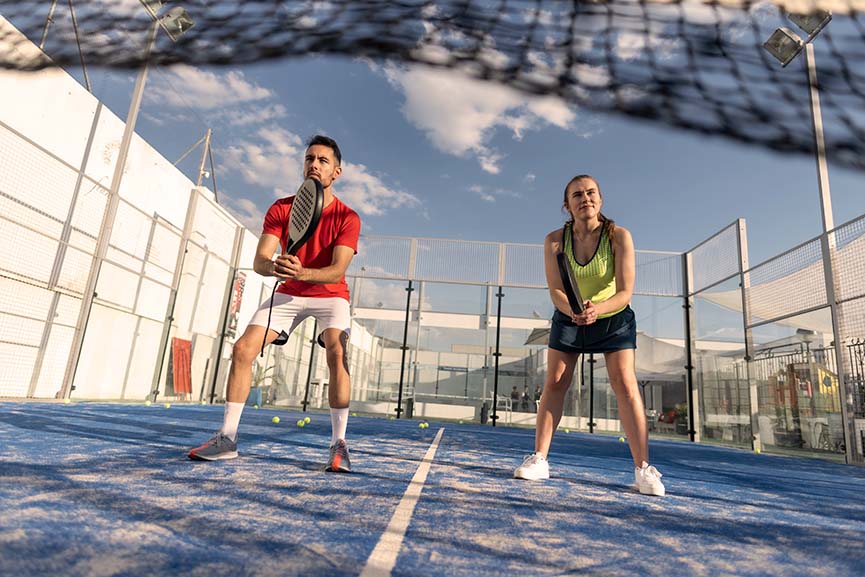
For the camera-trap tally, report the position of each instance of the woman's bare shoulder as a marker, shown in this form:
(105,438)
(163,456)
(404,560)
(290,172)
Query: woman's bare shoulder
(622,235)
(554,239)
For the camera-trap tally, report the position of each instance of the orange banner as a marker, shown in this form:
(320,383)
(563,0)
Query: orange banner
(181,366)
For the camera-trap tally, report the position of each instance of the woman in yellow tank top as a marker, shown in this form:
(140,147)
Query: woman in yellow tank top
(602,256)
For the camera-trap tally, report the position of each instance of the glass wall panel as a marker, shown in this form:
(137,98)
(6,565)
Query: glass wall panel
(524,335)
(720,378)
(375,350)
(451,346)
(794,369)
(660,360)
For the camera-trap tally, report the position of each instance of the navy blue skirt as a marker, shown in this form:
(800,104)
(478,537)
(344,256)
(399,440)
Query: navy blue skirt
(605,335)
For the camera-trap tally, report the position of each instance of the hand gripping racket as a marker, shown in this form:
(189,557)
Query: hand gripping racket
(302,222)
(569,282)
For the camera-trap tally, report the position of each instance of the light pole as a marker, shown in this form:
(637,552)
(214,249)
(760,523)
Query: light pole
(785,45)
(174,23)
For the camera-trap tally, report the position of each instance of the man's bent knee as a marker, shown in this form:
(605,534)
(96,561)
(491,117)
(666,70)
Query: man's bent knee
(244,351)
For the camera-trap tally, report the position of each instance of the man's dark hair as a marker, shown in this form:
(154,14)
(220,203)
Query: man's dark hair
(329,142)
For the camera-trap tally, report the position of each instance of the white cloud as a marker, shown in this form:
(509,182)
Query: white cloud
(256,115)
(246,211)
(459,114)
(367,194)
(492,194)
(186,86)
(274,159)
(158,121)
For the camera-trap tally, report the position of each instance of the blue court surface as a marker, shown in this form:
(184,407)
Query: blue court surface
(93,489)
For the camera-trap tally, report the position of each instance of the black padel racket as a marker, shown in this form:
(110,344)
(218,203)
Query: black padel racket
(569,282)
(302,222)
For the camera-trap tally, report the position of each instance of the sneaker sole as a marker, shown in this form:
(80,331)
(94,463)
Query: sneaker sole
(531,478)
(223,456)
(660,493)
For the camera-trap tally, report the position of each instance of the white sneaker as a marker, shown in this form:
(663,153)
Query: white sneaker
(534,468)
(648,480)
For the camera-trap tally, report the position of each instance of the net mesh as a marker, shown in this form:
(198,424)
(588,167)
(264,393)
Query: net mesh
(694,64)
(787,284)
(716,259)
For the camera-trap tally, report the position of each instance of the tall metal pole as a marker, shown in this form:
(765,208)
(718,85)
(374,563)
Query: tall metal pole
(828,245)
(819,141)
(688,307)
(226,307)
(404,348)
(591,362)
(203,157)
(486,327)
(48,22)
(744,287)
(172,296)
(107,219)
(80,51)
(497,354)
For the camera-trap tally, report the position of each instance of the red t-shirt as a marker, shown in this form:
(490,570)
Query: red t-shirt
(339,225)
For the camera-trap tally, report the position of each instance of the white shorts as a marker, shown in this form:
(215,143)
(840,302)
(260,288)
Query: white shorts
(289,311)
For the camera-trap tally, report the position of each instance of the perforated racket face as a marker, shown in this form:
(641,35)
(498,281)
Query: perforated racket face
(305,214)
(569,282)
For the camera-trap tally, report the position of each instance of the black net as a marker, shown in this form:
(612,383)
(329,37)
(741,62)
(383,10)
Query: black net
(691,64)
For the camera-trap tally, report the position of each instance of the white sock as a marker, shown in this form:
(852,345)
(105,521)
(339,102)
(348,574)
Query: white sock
(339,422)
(231,419)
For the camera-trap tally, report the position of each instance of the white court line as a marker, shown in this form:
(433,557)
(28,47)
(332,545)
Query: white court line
(383,557)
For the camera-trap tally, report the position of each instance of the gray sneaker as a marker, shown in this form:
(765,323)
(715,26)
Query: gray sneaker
(338,461)
(218,447)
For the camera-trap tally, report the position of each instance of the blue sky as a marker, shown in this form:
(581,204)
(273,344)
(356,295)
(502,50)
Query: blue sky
(435,154)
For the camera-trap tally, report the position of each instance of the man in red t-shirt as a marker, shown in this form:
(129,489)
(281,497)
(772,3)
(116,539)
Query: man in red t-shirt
(314,285)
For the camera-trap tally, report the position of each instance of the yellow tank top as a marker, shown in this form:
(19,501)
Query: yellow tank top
(597,278)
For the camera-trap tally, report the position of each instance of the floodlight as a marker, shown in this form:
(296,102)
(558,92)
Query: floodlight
(811,24)
(784,44)
(176,22)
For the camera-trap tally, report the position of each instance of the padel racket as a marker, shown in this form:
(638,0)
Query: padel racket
(302,222)
(569,283)
(305,214)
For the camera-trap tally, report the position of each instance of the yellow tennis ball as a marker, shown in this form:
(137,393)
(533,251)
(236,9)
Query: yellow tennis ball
(306,420)
(254,406)
(354,414)
(275,420)
(567,430)
(300,423)
(66,401)
(757,451)
(621,439)
(461,422)
(167,405)
(391,417)
(147,403)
